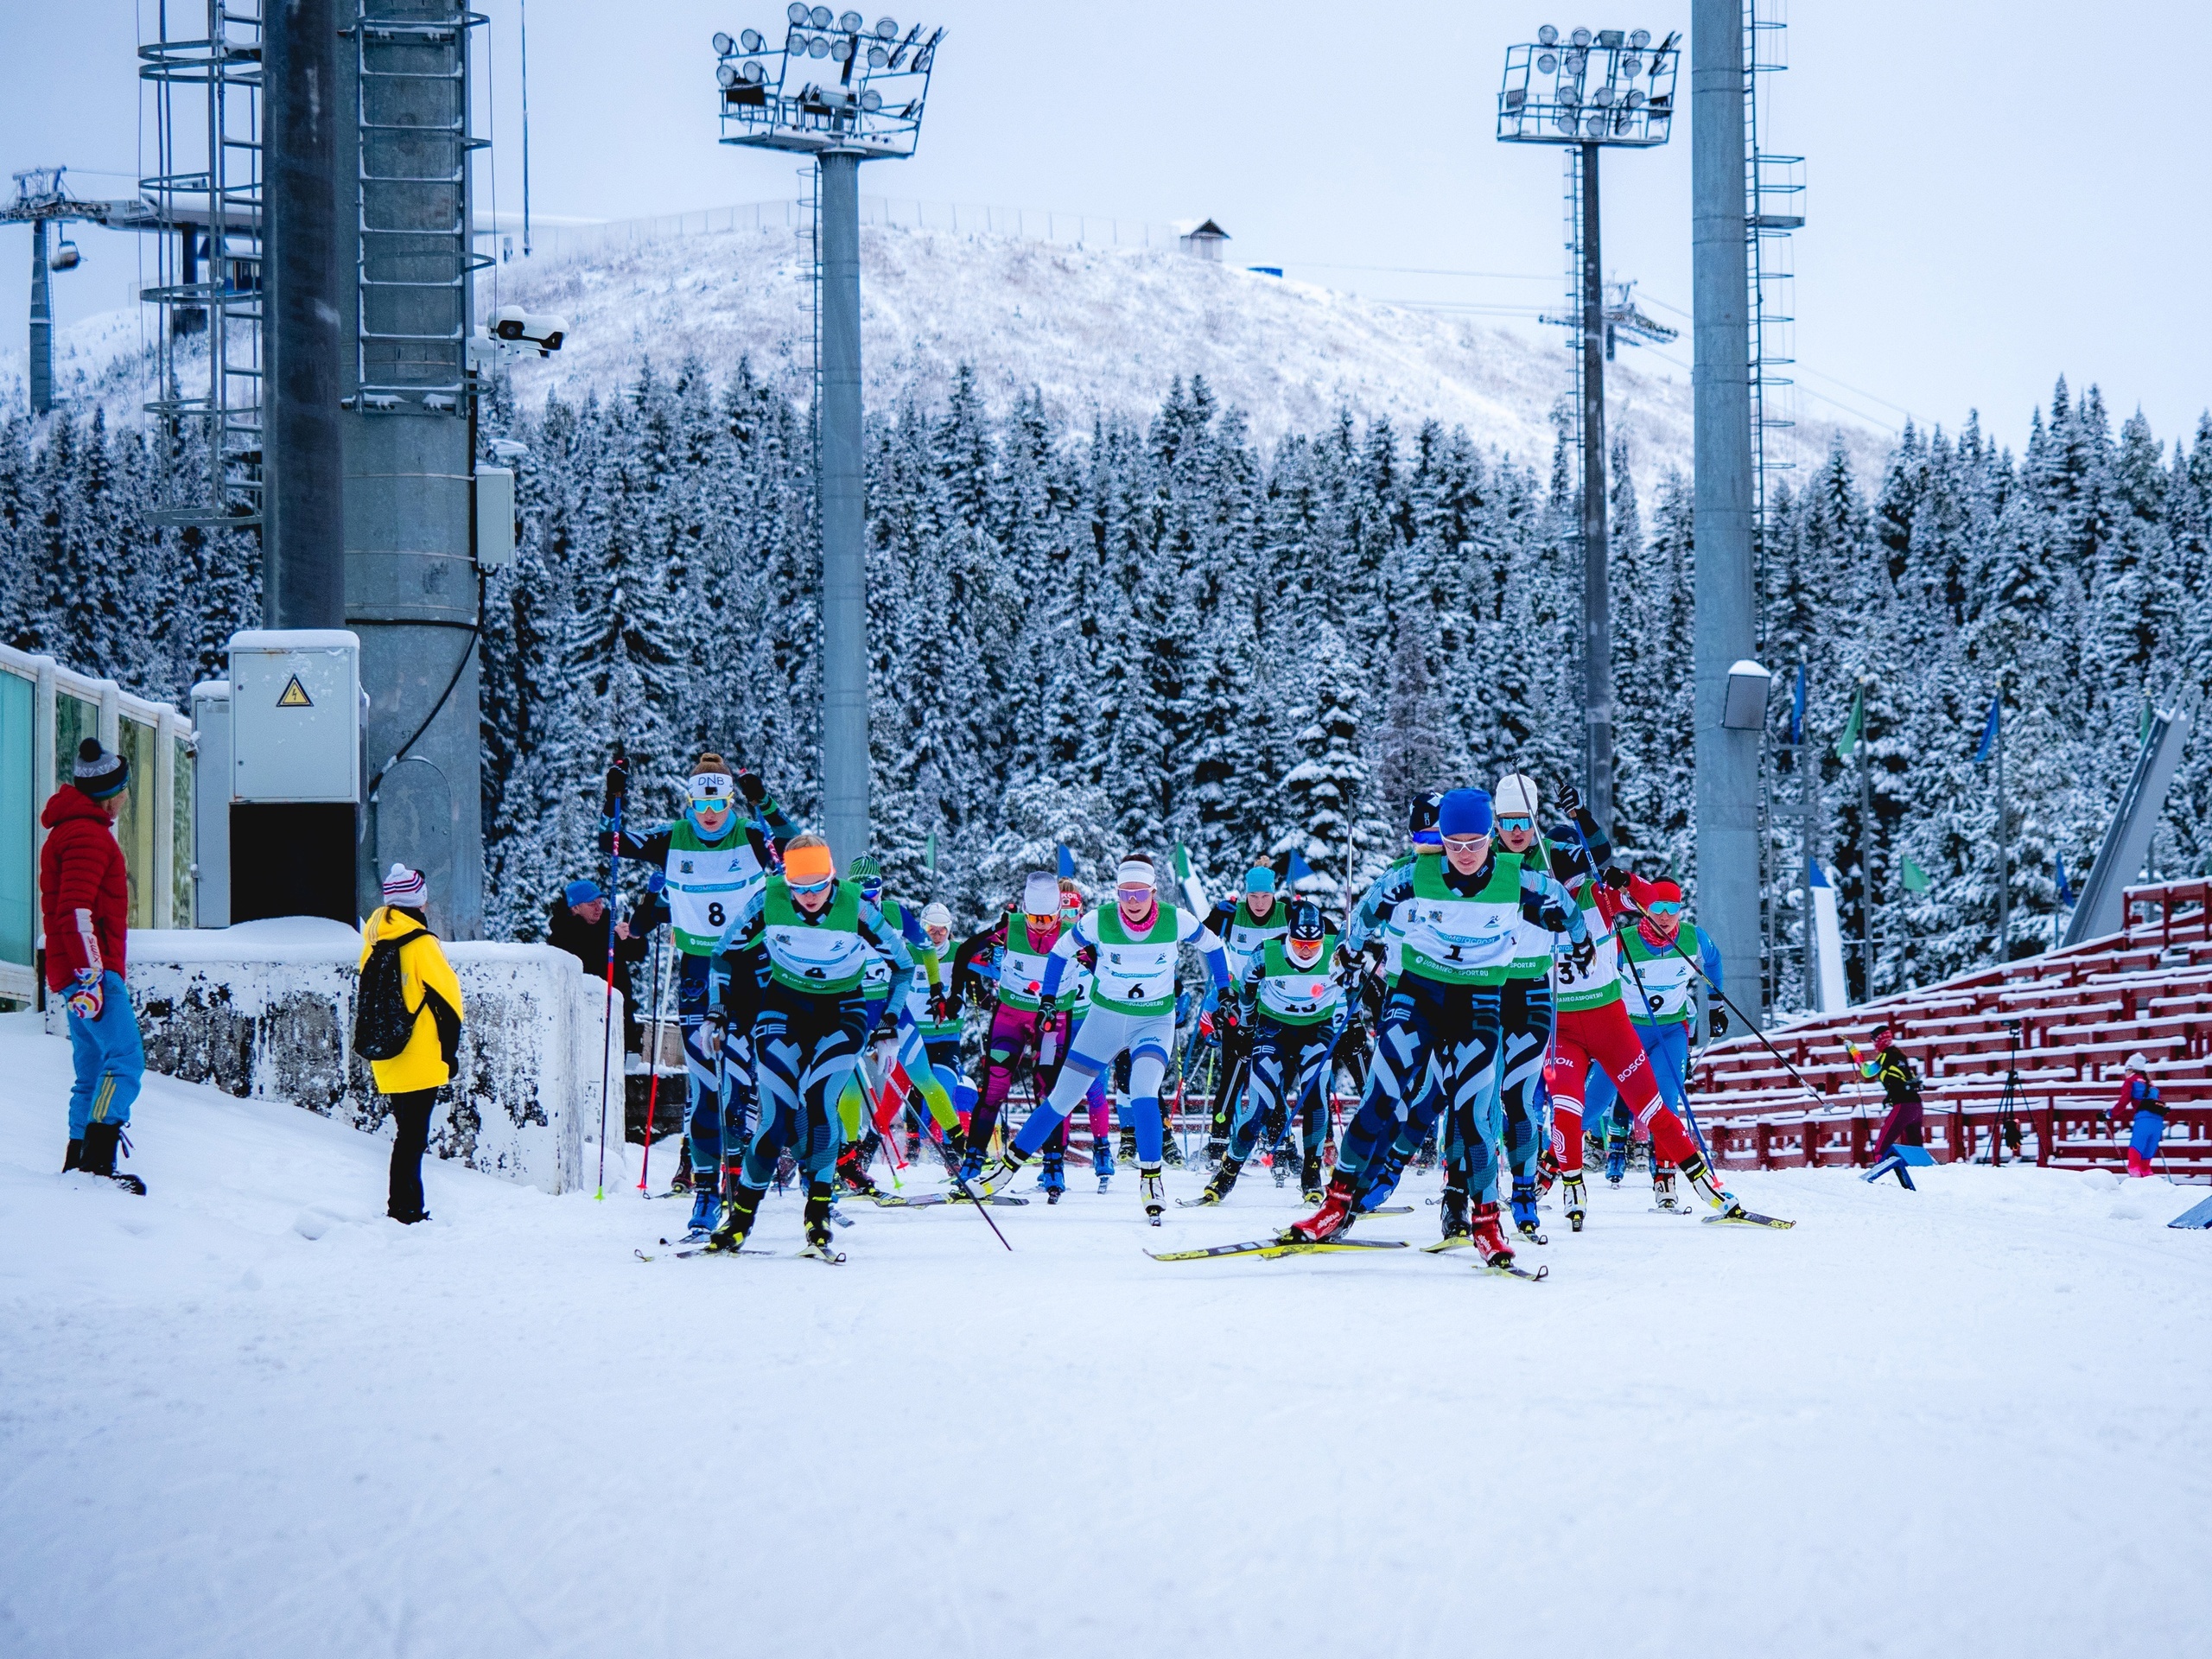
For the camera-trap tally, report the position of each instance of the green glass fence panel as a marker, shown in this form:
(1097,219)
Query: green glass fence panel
(181,890)
(135,826)
(19,804)
(74,719)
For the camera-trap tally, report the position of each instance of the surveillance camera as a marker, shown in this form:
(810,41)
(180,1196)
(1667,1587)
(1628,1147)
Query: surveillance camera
(517,326)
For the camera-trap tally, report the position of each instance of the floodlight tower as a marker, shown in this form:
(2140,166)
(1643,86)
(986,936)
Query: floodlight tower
(863,104)
(1594,90)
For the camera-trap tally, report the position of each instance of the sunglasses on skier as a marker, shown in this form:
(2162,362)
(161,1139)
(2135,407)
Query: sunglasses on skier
(711,803)
(1516,826)
(811,887)
(1464,843)
(1664,907)
(1129,895)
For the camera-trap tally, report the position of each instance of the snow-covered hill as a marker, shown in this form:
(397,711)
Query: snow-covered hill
(1093,328)
(246,1415)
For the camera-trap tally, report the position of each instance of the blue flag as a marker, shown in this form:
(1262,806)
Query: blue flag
(1797,708)
(1067,863)
(2065,893)
(1989,729)
(1299,869)
(1815,874)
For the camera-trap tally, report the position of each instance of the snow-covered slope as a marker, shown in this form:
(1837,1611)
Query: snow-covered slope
(248,1415)
(1095,328)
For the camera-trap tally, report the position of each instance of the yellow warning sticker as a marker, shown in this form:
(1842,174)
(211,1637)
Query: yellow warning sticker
(296,696)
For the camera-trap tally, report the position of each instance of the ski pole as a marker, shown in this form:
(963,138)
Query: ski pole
(652,1087)
(618,783)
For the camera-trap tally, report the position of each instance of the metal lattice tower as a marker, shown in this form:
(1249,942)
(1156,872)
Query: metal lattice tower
(206,183)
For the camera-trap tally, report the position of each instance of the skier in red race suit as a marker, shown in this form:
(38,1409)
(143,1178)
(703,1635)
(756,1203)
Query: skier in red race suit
(1593,1024)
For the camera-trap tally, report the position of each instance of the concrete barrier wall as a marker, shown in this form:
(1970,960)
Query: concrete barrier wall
(265,1010)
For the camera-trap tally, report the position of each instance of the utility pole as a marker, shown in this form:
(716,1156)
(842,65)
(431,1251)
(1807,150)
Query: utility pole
(1597,603)
(1727,758)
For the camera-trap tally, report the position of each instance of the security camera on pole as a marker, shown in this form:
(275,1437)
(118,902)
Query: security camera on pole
(843,90)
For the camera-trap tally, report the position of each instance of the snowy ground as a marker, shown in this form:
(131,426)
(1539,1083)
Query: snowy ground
(246,1415)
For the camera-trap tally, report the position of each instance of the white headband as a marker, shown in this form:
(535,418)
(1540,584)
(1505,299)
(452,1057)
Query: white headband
(1135,873)
(712,785)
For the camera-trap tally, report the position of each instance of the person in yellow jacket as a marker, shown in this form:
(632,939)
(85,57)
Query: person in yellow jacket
(411,1080)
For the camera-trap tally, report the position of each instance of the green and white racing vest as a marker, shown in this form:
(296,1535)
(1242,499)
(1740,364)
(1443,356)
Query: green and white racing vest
(1295,995)
(1452,938)
(1576,990)
(1136,973)
(824,958)
(1248,935)
(1533,945)
(707,883)
(1664,976)
(1021,968)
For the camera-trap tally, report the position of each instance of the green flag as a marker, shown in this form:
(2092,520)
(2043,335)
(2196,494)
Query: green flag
(1852,727)
(2143,724)
(1915,879)
(928,857)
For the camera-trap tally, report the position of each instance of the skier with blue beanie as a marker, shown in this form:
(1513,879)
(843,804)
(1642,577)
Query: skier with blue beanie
(1452,932)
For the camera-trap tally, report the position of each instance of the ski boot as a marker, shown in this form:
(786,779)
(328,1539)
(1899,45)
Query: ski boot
(1547,1171)
(743,1210)
(1215,1151)
(1662,1189)
(1576,1197)
(1708,1186)
(1334,1215)
(1640,1156)
(1524,1210)
(100,1153)
(73,1156)
(1455,1213)
(706,1211)
(818,1196)
(680,1181)
(1129,1147)
(1154,1190)
(971,1167)
(1426,1157)
(1101,1162)
(998,1177)
(1309,1177)
(1616,1158)
(1223,1181)
(1170,1153)
(852,1170)
(1489,1235)
(1052,1178)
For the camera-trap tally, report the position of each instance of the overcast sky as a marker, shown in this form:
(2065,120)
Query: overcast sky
(1999,193)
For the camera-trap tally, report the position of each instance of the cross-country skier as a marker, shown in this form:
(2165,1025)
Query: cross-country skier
(1901,1089)
(940,1020)
(1020,947)
(712,862)
(1244,925)
(793,965)
(1295,996)
(1137,940)
(1452,929)
(1592,1024)
(2140,1096)
(1663,969)
(1525,1021)
(919,996)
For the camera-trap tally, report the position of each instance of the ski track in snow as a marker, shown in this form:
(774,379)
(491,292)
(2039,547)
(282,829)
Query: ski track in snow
(1959,1422)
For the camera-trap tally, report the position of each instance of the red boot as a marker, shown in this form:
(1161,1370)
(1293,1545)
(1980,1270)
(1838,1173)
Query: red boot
(1332,1218)
(1490,1236)
(2137,1163)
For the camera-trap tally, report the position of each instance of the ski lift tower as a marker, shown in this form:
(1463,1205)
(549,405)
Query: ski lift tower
(1591,91)
(844,92)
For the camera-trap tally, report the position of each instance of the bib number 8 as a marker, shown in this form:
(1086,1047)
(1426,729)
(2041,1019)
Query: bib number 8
(715,915)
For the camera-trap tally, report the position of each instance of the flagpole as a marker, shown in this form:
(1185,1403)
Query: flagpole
(2004,846)
(1866,835)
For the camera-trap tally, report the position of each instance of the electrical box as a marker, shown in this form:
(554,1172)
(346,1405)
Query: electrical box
(495,517)
(296,715)
(211,804)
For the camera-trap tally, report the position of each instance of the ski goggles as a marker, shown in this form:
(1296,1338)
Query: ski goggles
(809,888)
(1131,893)
(1517,825)
(1665,907)
(1464,843)
(710,803)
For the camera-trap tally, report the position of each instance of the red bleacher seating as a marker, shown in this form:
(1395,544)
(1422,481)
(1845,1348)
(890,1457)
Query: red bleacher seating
(2080,1013)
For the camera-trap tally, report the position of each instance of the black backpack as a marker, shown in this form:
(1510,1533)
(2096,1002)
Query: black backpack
(383,1024)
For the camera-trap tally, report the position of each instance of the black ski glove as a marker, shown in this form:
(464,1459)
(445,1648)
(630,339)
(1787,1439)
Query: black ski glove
(1582,953)
(1552,918)
(750,786)
(1616,877)
(618,783)
(1719,1020)
(1569,802)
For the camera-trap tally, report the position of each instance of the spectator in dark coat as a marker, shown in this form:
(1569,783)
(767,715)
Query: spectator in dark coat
(577,924)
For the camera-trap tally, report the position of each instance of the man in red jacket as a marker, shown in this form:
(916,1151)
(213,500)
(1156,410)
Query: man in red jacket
(84,903)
